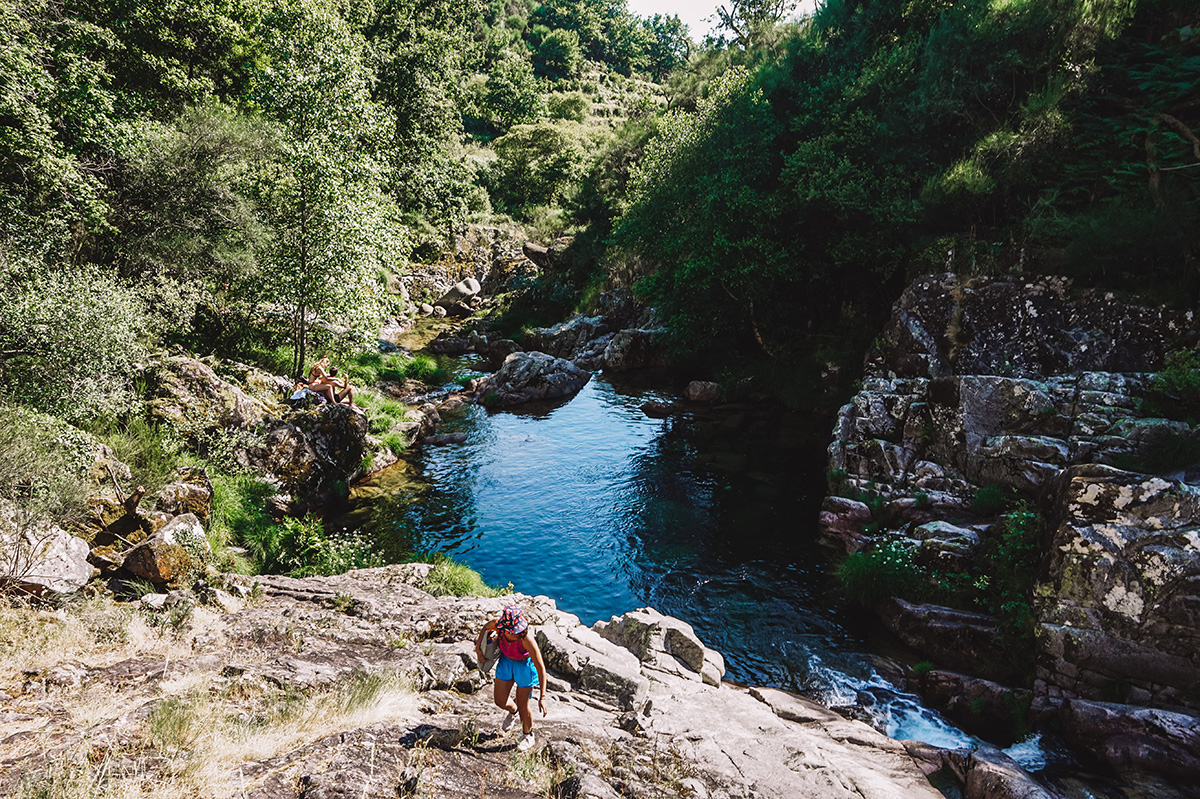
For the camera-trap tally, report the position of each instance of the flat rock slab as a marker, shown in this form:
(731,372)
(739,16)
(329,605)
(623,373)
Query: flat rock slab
(676,736)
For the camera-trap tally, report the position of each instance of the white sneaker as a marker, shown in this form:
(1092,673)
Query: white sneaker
(527,742)
(508,720)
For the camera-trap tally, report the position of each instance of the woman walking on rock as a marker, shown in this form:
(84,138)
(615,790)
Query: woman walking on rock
(520,664)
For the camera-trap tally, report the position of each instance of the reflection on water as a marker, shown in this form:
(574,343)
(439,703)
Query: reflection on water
(708,517)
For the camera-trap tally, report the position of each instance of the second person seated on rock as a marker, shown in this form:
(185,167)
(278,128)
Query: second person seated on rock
(338,386)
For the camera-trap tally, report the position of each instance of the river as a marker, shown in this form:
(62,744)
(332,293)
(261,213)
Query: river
(708,516)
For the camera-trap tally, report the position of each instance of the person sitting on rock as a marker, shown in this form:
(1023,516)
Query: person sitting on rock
(319,370)
(520,663)
(339,386)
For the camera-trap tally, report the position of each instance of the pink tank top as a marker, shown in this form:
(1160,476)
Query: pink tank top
(513,650)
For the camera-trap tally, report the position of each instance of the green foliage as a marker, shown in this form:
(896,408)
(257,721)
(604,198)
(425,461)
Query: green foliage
(448,578)
(570,106)
(537,164)
(302,548)
(885,570)
(558,55)
(152,452)
(511,95)
(172,724)
(426,369)
(44,465)
(748,20)
(884,140)
(1164,453)
(336,226)
(239,518)
(69,340)
(187,223)
(667,45)
(990,500)
(1174,391)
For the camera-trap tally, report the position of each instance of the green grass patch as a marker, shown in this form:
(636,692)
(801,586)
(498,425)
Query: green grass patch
(990,500)
(303,548)
(239,518)
(448,578)
(153,452)
(396,442)
(885,570)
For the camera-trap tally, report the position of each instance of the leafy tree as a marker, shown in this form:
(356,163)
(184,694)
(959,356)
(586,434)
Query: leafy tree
(537,164)
(419,52)
(607,32)
(68,342)
(335,227)
(668,45)
(511,96)
(558,55)
(43,187)
(188,225)
(748,19)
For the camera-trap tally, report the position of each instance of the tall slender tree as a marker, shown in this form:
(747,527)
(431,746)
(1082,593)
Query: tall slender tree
(335,226)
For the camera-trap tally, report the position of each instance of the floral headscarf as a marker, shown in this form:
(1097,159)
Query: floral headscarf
(512,620)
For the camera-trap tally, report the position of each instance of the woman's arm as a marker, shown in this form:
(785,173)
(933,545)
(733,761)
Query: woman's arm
(535,652)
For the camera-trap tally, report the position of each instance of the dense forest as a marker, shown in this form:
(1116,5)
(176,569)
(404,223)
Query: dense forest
(215,174)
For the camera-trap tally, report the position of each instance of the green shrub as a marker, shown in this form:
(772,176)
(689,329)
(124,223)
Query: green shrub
(886,570)
(1175,391)
(448,578)
(990,500)
(239,518)
(72,338)
(153,452)
(44,463)
(302,548)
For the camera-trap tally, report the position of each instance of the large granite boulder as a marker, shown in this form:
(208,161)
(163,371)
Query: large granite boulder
(549,257)
(567,339)
(530,376)
(635,348)
(1118,600)
(178,549)
(39,558)
(1035,327)
(663,643)
(187,394)
(310,451)
(958,638)
(460,292)
(1135,739)
(191,492)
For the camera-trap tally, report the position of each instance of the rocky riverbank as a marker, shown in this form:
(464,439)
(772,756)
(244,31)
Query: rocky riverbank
(983,393)
(364,685)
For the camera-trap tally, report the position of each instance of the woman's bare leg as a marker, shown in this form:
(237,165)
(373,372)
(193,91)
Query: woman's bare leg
(523,695)
(500,692)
